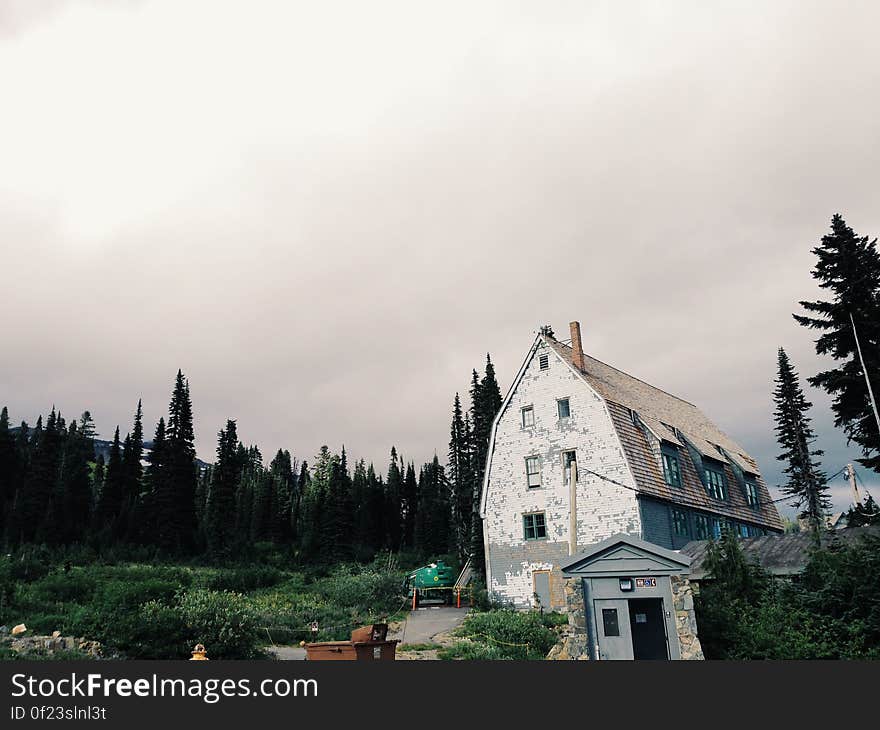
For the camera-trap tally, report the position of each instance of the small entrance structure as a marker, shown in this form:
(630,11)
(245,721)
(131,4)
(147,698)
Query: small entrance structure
(632,600)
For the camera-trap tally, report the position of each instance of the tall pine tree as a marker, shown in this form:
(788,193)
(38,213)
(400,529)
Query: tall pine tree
(806,482)
(176,512)
(110,501)
(9,468)
(459,475)
(848,268)
(220,503)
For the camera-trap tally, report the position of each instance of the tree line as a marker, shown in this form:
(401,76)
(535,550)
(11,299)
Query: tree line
(55,490)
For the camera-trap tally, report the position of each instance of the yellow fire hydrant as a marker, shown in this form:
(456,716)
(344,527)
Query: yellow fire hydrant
(199,653)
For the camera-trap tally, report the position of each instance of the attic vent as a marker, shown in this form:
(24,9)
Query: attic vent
(544,361)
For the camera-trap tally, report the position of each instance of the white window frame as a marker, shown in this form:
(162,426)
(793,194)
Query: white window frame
(527,409)
(534,516)
(567,400)
(536,460)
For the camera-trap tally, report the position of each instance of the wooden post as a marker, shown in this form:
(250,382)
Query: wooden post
(415,593)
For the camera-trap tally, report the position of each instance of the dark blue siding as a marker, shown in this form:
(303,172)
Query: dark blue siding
(656,522)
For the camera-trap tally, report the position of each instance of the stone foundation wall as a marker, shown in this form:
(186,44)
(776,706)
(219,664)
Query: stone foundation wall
(685,618)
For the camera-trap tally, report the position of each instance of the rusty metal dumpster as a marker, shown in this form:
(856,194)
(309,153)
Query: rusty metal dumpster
(367,643)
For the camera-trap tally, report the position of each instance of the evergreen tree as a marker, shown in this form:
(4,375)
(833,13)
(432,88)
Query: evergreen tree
(76,484)
(281,469)
(410,505)
(806,482)
(432,534)
(377,514)
(315,505)
(112,495)
(866,513)
(9,468)
(303,482)
(39,483)
(157,499)
(244,495)
(848,267)
(393,502)
(220,504)
(338,523)
(176,513)
(360,499)
(98,474)
(459,474)
(132,455)
(485,406)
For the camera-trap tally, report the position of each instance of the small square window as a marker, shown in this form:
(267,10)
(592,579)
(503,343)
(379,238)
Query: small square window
(528,417)
(610,622)
(534,527)
(533,471)
(563,408)
(544,361)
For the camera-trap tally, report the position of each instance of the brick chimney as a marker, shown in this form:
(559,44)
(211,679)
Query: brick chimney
(577,349)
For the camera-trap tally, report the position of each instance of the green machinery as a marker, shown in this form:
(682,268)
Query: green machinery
(432,583)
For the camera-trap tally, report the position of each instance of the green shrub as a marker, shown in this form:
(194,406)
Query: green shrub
(127,596)
(224,622)
(74,586)
(469,651)
(373,590)
(245,580)
(156,631)
(831,611)
(514,634)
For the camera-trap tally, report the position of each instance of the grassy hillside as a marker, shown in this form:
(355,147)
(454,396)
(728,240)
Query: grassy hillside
(147,611)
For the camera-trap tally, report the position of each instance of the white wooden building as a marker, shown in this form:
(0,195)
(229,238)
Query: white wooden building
(646,463)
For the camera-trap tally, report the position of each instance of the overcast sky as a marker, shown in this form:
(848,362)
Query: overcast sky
(326,213)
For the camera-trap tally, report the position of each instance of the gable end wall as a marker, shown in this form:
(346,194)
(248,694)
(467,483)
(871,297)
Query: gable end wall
(604,509)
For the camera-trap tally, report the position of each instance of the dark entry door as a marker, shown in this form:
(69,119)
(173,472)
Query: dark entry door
(648,626)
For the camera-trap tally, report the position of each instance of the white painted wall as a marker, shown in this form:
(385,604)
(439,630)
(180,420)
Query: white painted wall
(604,509)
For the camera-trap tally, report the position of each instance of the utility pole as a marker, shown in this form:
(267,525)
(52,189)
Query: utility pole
(572,503)
(851,475)
(865,372)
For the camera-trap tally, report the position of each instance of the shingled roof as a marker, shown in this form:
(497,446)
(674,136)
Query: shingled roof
(779,555)
(680,423)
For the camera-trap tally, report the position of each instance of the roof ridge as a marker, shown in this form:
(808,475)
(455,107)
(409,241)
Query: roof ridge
(623,372)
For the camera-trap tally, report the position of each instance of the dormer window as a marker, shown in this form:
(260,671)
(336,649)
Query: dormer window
(671,469)
(752,495)
(715,482)
(544,361)
(563,408)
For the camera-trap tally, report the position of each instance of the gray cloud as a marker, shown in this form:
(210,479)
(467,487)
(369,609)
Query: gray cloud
(326,215)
